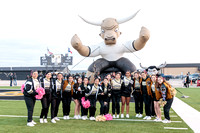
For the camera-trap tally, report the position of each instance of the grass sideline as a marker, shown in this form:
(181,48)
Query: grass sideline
(79,126)
(8,87)
(193,100)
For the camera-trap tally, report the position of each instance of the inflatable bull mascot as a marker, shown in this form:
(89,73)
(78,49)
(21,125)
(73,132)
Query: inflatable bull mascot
(110,49)
(153,70)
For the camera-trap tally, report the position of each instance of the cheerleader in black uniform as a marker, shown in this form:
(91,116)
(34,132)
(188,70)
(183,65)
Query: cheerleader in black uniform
(92,93)
(56,97)
(29,96)
(82,90)
(116,94)
(105,94)
(137,94)
(145,88)
(67,94)
(76,96)
(126,93)
(47,84)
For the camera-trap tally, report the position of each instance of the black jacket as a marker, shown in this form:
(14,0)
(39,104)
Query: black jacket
(54,89)
(29,89)
(107,94)
(42,83)
(89,90)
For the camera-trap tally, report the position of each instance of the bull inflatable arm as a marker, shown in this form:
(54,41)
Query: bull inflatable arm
(110,33)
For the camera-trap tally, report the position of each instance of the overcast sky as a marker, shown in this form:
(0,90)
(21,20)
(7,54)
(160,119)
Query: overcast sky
(28,27)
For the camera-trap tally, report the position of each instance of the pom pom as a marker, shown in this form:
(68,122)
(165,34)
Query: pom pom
(86,104)
(22,88)
(108,117)
(162,103)
(40,92)
(100,118)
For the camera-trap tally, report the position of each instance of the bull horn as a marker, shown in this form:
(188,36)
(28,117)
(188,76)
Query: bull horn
(120,21)
(162,65)
(89,22)
(143,67)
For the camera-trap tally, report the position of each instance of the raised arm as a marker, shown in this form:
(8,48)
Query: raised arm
(143,38)
(77,44)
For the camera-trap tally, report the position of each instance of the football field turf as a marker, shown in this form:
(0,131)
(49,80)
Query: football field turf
(13,119)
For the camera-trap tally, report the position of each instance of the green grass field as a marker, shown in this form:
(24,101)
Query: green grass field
(193,100)
(18,125)
(8,87)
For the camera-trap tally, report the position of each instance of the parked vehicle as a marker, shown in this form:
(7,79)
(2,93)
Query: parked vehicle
(194,77)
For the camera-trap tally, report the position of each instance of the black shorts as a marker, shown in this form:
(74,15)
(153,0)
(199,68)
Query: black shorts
(124,94)
(154,97)
(75,96)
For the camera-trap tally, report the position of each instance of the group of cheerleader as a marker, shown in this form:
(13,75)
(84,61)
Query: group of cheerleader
(150,90)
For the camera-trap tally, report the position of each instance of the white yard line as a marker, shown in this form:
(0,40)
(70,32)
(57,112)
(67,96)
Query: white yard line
(176,128)
(190,115)
(142,120)
(170,115)
(17,116)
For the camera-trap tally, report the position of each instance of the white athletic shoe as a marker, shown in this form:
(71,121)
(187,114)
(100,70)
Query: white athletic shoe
(34,122)
(137,115)
(127,115)
(41,120)
(114,117)
(92,118)
(117,115)
(122,115)
(79,117)
(140,116)
(148,118)
(53,120)
(145,117)
(76,117)
(159,120)
(86,117)
(166,121)
(83,118)
(56,118)
(45,121)
(30,124)
(66,117)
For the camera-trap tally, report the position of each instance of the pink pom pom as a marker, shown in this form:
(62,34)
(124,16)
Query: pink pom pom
(108,117)
(22,88)
(86,104)
(39,96)
(82,99)
(40,92)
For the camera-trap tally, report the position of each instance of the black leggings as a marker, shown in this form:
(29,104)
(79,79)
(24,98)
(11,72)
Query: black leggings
(30,103)
(55,106)
(116,95)
(101,101)
(46,100)
(138,102)
(167,108)
(92,108)
(66,102)
(84,111)
(147,102)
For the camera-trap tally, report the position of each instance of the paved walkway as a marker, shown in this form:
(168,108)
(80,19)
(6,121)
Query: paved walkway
(7,82)
(190,115)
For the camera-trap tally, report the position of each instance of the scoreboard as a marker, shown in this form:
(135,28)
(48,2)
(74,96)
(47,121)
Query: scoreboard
(56,60)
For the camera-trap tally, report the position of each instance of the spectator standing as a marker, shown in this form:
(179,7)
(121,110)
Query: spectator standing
(15,79)
(11,78)
(187,81)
